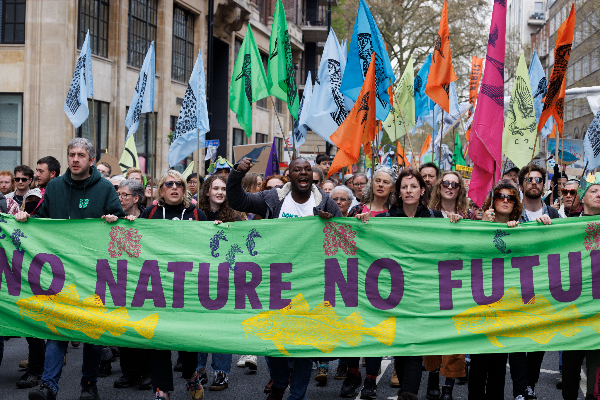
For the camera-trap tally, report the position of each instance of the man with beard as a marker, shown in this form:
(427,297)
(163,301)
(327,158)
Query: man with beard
(532,179)
(297,198)
(47,169)
(430,172)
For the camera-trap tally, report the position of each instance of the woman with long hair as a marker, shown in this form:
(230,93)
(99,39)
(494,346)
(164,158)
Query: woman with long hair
(504,205)
(449,195)
(381,199)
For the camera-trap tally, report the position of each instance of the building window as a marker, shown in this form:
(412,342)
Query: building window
(279,105)
(11,130)
(261,138)
(12,30)
(93,15)
(145,142)
(279,147)
(142,30)
(539,6)
(262,103)
(183,45)
(239,137)
(100,117)
(183,164)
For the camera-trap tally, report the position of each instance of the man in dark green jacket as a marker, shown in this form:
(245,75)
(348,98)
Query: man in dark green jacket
(79,193)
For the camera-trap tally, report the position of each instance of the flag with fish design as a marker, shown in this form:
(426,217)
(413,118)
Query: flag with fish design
(520,125)
(402,117)
(591,144)
(327,108)
(248,82)
(82,86)
(192,122)
(281,80)
(485,143)
(366,40)
(303,110)
(343,289)
(539,87)
(143,95)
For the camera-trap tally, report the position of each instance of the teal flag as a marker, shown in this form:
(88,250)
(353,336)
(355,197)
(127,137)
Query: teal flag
(344,289)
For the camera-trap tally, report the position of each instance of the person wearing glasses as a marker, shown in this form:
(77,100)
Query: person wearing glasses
(572,205)
(318,176)
(131,193)
(450,196)
(194,183)
(23,180)
(342,195)
(532,179)
(504,205)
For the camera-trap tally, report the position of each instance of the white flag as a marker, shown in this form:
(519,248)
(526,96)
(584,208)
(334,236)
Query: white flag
(143,96)
(82,86)
(303,110)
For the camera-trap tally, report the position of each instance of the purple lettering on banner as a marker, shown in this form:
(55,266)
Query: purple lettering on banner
(446,282)
(150,274)
(525,265)
(35,272)
(277,285)
(372,284)
(179,268)
(204,286)
(13,276)
(245,288)
(335,276)
(595,260)
(555,278)
(497,281)
(117,287)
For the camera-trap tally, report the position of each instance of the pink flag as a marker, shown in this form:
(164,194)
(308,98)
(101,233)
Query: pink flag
(485,146)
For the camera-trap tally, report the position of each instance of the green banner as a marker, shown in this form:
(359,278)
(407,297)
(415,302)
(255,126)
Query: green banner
(304,286)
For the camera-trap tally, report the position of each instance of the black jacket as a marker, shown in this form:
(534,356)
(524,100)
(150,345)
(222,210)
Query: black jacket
(174,212)
(268,203)
(422,212)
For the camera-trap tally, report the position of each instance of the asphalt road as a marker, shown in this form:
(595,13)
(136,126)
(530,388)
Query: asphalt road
(242,383)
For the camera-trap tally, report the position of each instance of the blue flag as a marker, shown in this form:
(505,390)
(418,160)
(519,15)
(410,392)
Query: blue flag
(82,86)
(143,96)
(539,87)
(423,104)
(273,163)
(193,117)
(327,107)
(434,117)
(366,40)
(303,109)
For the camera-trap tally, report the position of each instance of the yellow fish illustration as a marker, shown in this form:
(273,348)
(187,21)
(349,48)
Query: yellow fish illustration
(296,324)
(536,320)
(90,316)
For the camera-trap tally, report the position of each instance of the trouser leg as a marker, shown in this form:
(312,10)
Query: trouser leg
(53,363)
(36,355)
(92,354)
(571,375)
(161,371)
(518,373)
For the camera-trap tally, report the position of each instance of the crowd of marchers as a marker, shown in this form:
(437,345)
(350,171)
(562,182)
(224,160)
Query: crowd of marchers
(231,193)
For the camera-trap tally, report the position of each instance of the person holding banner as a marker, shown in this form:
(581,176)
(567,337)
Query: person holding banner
(343,197)
(383,197)
(449,196)
(79,193)
(298,198)
(504,205)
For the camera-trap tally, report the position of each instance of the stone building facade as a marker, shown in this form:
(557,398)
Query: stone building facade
(39,46)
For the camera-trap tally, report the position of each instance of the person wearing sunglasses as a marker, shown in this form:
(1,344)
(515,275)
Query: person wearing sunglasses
(23,181)
(342,195)
(318,176)
(531,180)
(450,196)
(572,205)
(504,205)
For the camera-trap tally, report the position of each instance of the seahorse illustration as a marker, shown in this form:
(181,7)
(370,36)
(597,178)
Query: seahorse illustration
(250,241)
(231,256)
(499,243)
(214,242)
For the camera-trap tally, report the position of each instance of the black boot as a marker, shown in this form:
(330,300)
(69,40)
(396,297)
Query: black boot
(433,386)
(446,392)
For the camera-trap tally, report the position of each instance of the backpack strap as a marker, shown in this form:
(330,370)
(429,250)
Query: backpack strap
(196,217)
(152,212)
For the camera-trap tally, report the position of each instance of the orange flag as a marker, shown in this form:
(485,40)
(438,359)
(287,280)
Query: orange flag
(553,134)
(441,72)
(359,126)
(552,103)
(401,159)
(476,70)
(426,146)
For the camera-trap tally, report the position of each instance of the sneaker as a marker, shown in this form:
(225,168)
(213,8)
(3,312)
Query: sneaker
(75,344)
(350,385)
(202,376)
(28,381)
(251,363)
(369,391)
(145,382)
(321,377)
(24,364)
(220,382)
(125,381)
(195,389)
(341,372)
(276,394)
(531,393)
(315,365)
(268,386)
(519,397)
(394,382)
(42,393)
(242,362)
(163,396)
(89,391)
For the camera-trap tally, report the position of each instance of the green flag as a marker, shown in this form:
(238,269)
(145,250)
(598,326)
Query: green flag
(520,125)
(403,115)
(248,82)
(457,157)
(282,76)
